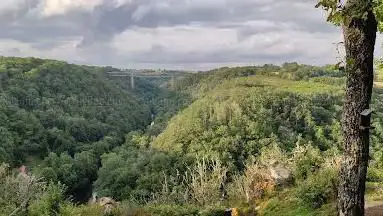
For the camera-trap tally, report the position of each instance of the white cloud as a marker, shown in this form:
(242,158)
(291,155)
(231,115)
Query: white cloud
(60,7)
(141,12)
(65,51)
(119,3)
(7,5)
(175,39)
(188,44)
(171,33)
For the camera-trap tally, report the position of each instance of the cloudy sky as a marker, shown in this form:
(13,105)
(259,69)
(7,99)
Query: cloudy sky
(182,34)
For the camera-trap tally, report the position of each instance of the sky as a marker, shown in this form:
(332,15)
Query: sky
(173,34)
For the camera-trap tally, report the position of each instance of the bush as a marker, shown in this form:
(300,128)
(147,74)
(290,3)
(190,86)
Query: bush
(253,184)
(213,211)
(256,181)
(205,180)
(374,175)
(306,160)
(126,209)
(18,191)
(174,210)
(83,210)
(319,188)
(200,185)
(51,203)
(178,210)
(287,206)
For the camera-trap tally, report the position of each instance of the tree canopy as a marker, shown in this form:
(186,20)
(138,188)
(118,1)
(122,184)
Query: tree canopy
(176,151)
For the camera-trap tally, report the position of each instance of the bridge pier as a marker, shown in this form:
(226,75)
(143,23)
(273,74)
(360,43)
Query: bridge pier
(132,80)
(172,82)
(133,75)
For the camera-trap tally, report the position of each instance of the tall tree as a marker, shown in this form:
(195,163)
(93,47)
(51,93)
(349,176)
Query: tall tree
(359,26)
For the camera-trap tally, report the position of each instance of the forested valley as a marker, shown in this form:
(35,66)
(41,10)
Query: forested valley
(260,140)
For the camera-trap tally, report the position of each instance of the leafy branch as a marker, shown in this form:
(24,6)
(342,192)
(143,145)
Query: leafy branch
(334,9)
(345,11)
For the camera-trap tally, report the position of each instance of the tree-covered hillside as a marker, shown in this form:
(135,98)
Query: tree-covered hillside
(59,118)
(241,122)
(236,119)
(211,142)
(40,96)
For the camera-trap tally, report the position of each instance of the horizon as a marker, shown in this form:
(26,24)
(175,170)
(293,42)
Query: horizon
(168,69)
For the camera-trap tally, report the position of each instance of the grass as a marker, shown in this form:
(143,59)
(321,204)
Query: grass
(298,86)
(379,74)
(374,191)
(286,205)
(276,83)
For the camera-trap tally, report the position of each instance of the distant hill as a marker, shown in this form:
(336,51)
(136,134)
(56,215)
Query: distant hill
(52,106)
(194,145)
(234,120)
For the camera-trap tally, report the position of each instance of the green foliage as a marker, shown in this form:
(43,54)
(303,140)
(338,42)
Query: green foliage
(78,172)
(213,211)
(17,191)
(165,210)
(374,175)
(68,116)
(204,181)
(198,84)
(51,202)
(134,173)
(319,188)
(24,194)
(287,206)
(334,8)
(177,210)
(240,120)
(82,210)
(50,106)
(378,9)
(338,13)
(307,160)
(234,121)
(341,81)
(235,116)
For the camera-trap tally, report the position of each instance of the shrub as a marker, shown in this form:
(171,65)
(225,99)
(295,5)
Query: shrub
(318,188)
(252,185)
(51,203)
(306,160)
(213,211)
(206,179)
(200,185)
(126,209)
(83,210)
(178,210)
(374,175)
(256,181)
(18,191)
(174,210)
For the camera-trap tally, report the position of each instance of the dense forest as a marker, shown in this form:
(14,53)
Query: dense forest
(59,118)
(258,139)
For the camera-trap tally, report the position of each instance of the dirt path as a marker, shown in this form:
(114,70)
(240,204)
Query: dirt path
(374,208)
(378,84)
(374,211)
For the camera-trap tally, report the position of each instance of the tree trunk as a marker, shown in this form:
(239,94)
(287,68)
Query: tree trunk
(359,35)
